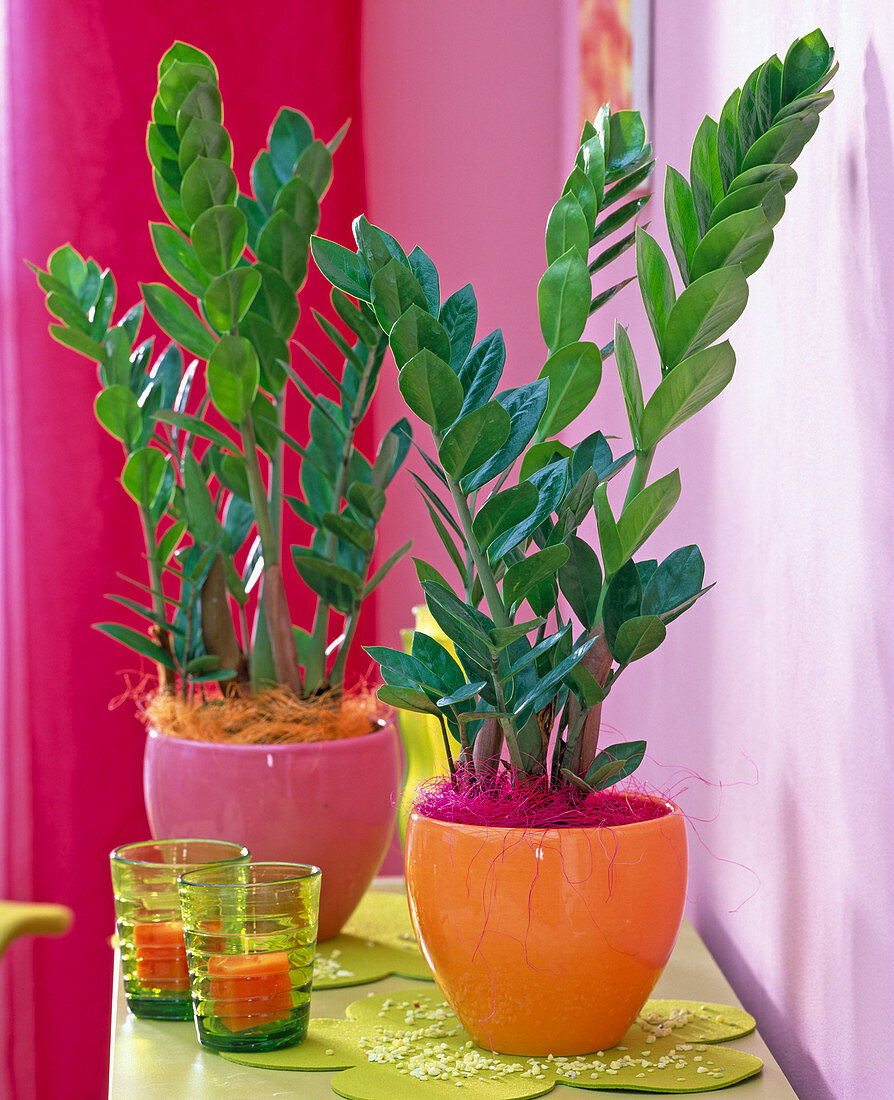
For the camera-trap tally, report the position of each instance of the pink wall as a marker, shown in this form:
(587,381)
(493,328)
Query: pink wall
(775,686)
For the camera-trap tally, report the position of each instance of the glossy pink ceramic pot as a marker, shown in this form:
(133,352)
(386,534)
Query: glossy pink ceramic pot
(328,803)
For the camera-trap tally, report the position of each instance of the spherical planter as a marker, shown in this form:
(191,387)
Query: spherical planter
(328,803)
(547,941)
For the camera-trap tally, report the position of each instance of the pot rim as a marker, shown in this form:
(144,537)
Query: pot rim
(341,744)
(572,830)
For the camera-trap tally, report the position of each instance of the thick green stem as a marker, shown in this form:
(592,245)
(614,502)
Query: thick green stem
(276,470)
(266,530)
(640,472)
(479,557)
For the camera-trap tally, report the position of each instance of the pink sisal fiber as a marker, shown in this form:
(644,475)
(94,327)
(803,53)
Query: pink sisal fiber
(533,804)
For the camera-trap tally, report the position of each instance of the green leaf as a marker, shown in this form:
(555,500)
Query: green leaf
(349,530)
(271,349)
(202,102)
(473,439)
(783,143)
(136,641)
(579,185)
(768,93)
(525,574)
(682,220)
(207,183)
(233,375)
(204,137)
(431,390)
(315,168)
(298,201)
(656,283)
(143,474)
(504,511)
(200,511)
(354,318)
(783,174)
(427,275)
(525,406)
(290,134)
(580,579)
(375,246)
(744,238)
(685,390)
(482,370)
(542,454)
(704,171)
(747,113)
(117,410)
(385,568)
(626,139)
(550,484)
(567,228)
(637,637)
(574,373)
(168,542)
(366,500)
(728,138)
(675,581)
(563,300)
(230,296)
(767,197)
(407,699)
(503,636)
(450,613)
(590,160)
(630,384)
(394,289)
(614,763)
(338,586)
(650,507)
(198,427)
(459,316)
(77,341)
(264,182)
(275,301)
(175,317)
(609,539)
(416,330)
(703,312)
(177,256)
(169,198)
(219,237)
(467,691)
(806,62)
(622,600)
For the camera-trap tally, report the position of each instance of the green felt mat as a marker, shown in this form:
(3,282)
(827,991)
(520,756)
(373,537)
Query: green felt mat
(377,941)
(410,1045)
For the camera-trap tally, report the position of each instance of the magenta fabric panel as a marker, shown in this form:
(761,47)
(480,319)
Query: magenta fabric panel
(77,94)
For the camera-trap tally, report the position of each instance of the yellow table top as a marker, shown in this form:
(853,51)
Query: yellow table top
(157,1060)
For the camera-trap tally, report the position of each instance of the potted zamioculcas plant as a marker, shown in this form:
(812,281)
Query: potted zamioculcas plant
(252,734)
(546,899)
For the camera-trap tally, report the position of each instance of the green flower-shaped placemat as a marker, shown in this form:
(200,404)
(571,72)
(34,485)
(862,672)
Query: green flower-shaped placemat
(377,941)
(390,1047)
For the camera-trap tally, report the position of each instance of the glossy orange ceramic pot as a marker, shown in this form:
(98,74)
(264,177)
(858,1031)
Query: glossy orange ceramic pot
(547,941)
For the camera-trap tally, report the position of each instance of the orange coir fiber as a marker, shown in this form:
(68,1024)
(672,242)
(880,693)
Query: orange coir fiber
(271,717)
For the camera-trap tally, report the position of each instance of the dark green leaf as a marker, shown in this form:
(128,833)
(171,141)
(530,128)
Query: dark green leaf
(767,197)
(704,172)
(550,484)
(656,283)
(622,600)
(233,376)
(204,137)
(650,507)
(474,439)
(676,580)
(431,390)
(354,318)
(580,579)
(230,296)
(201,514)
(783,174)
(219,237)
(504,511)
(290,135)
(338,586)
(744,238)
(136,641)
(783,143)
(427,275)
(682,221)
(563,300)
(685,390)
(542,454)
(376,246)
(614,763)
(407,699)
(806,62)
(579,185)
(728,139)
(275,301)
(176,318)
(459,316)
(197,427)
(768,93)
(178,258)
(416,330)
(626,138)
(117,410)
(630,384)
(349,530)
(315,168)
(574,373)
(385,568)
(525,406)
(202,102)
(482,370)
(619,217)
(637,637)
(525,574)
(272,350)
(703,312)
(207,183)
(394,290)
(143,474)
(590,160)
(567,228)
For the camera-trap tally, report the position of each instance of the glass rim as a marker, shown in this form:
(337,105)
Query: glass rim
(310,872)
(119,854)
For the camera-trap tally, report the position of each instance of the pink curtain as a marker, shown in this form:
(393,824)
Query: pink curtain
(76,90)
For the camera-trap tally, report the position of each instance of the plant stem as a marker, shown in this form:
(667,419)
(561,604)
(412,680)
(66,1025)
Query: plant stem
(276,469)
(266,530)
(505,724)
(640,473)
(479,557)
(166,676)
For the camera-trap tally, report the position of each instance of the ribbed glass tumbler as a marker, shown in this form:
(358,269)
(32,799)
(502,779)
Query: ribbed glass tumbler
(251,933)
(150,932)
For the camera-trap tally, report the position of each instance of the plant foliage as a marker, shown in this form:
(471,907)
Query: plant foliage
(210,494)
(507,498)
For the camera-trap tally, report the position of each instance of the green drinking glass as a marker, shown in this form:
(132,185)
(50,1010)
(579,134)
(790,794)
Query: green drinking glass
(251,933)
(150,932)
